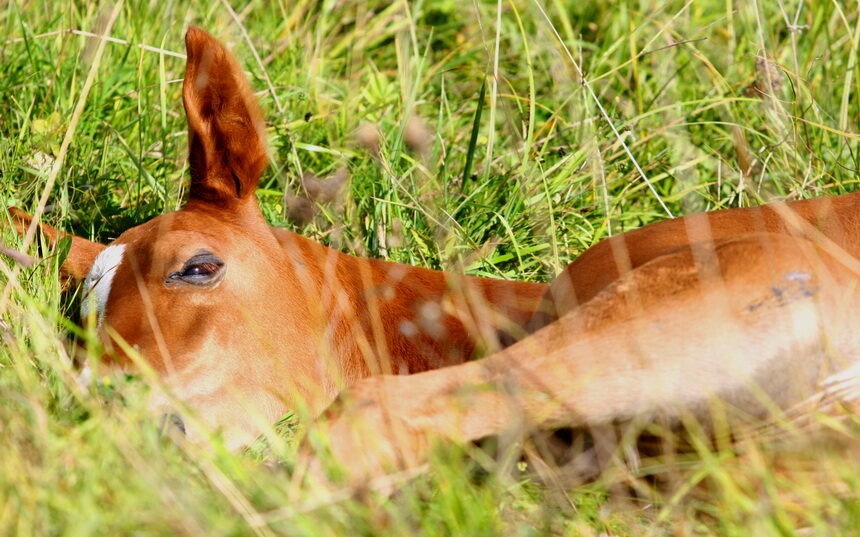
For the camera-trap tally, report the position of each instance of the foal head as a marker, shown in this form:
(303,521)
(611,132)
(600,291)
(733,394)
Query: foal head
(207,295)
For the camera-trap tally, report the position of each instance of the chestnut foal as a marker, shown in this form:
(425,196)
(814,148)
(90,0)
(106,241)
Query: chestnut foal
(244,321)
(751,307)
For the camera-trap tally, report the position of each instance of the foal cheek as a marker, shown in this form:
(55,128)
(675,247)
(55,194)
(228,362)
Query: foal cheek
(145,325)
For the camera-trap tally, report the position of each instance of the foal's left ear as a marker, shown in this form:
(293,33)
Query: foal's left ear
(227,150)
(82,253)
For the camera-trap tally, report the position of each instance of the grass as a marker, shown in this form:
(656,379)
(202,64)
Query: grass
(540,117)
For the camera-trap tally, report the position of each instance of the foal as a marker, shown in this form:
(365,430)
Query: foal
(245,322)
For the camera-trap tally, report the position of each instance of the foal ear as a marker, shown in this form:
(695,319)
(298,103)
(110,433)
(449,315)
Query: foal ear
(82,253)
(226,132)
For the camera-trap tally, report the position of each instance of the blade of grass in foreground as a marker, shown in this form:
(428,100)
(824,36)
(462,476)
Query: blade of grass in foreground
(476,126)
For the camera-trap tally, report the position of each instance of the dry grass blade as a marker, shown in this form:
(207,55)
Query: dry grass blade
(22,259)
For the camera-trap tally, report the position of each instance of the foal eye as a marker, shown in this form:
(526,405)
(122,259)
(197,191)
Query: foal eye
(202,269)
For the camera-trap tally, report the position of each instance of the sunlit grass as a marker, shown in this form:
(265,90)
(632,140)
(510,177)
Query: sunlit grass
(720,103)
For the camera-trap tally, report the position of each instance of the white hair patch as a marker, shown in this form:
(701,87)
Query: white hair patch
(98,282)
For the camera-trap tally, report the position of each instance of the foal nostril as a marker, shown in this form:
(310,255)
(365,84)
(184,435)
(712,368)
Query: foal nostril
(171,425)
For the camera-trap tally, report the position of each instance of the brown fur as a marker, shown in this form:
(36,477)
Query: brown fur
(81,254)
(836,218)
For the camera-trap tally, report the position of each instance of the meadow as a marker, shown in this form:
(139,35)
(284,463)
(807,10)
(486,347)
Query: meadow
(497,138)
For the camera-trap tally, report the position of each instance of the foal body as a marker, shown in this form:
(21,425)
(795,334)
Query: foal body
(753,307)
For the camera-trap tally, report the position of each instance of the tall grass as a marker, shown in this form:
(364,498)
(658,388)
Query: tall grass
(501,139)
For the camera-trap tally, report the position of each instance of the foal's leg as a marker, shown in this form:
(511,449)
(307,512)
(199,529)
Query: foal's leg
(756,322)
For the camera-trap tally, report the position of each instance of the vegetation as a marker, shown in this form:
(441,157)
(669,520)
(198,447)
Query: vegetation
(501,139)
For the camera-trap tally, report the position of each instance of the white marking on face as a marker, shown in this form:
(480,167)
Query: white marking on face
(98,282)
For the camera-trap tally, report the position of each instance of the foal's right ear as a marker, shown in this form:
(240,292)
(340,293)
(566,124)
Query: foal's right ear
(227,150)
(82,253)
